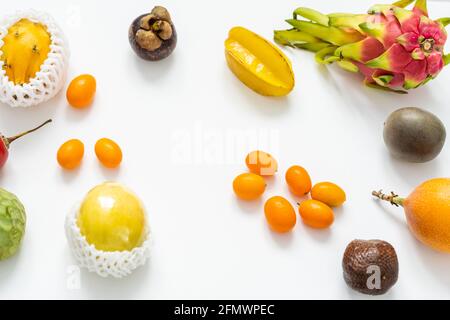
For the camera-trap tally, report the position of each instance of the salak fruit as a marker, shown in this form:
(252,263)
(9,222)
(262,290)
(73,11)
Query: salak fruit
(370,266)
(259,64)
(427,211)
(394,48)
(12,224)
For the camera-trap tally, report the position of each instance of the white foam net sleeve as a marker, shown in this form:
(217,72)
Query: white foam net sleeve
(50,78)
(117,264)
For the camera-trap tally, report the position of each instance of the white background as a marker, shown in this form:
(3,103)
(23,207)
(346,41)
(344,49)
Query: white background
(207,244)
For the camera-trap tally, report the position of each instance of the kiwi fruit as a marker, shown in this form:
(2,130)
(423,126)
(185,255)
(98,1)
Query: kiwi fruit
(414,135)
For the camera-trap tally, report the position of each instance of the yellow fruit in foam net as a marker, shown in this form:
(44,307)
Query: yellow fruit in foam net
(25,48)
(112,218)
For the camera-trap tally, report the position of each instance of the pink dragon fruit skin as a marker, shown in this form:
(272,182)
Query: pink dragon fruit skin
(394,48)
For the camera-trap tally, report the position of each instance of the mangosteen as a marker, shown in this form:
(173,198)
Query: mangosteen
(370,267)
(414,135)
(152,35)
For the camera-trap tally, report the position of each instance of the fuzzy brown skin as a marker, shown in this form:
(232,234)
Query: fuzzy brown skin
(414,135)
(162,52)
(360,255)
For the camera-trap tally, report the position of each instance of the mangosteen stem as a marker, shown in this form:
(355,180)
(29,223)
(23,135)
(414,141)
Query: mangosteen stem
(12,139)
(392,198)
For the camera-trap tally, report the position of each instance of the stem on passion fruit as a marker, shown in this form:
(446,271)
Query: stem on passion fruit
(12,139)
(392,198)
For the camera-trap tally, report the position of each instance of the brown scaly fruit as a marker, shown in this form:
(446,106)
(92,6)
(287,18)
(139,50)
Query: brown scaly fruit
(370,267)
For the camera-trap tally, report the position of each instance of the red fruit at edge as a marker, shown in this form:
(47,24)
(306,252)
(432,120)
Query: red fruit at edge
(3,153)
(5,142)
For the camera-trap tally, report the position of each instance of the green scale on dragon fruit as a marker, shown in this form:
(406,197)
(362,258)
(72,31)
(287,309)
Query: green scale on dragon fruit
(394,48)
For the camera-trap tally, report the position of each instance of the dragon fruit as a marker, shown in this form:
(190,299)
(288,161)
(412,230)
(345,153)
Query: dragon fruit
(394,48)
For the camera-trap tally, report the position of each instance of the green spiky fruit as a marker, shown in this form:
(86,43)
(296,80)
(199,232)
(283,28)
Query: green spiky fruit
(12,224)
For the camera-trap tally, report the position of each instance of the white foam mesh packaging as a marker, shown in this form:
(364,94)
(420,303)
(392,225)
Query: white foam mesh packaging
(116,264)
(50,78)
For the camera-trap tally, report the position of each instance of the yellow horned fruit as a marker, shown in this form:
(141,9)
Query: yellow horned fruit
(25,48)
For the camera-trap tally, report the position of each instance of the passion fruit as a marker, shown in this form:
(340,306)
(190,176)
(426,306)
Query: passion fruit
(414,135)
(152,35)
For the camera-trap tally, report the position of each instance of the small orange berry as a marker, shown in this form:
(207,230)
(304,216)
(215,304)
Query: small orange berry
(70,154)
(108,153)
(329,193)
(81,91)
(298,180)
(249,186)
(280,214)
(316,214)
